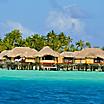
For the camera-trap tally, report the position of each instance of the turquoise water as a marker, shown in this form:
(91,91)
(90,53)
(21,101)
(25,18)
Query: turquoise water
(51,87)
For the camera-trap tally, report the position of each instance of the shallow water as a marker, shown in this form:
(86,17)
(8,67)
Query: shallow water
(51,87)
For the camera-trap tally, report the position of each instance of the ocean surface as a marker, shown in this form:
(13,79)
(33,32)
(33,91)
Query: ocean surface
(51,87)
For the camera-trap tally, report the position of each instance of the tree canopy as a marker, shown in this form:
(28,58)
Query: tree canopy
(58,42)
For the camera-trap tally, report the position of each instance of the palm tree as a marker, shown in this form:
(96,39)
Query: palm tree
(51,39)
(73,48)
(12,39)
(102,48)
(2,46)
(80,45)
(65,41)
(87,44)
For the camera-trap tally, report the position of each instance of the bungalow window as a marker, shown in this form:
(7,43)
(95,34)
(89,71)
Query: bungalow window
(18,57)
(8,58)
(68,60)
(48,57)
(97,60)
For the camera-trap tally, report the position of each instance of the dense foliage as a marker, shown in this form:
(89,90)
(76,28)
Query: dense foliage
(58,42)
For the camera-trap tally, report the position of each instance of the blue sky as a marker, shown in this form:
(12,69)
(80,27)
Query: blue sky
(82,19)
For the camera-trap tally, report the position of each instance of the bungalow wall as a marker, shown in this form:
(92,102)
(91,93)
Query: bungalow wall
(83,61)
(89,61)
(12,59)
(78,61)
(32,60)
(68,60)
(2,59)
(48,61)
(60,60)
(102,61)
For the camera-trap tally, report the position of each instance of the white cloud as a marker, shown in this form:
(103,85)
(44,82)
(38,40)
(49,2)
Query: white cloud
(15,25)
(10,25)
(65,20)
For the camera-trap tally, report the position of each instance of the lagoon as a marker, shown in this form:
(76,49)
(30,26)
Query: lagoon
(51,87)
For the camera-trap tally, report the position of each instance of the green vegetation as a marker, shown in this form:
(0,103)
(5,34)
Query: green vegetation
(58,42)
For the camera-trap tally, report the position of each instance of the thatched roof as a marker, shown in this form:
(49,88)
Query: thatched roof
(47,51)
(3,53)
(76,53)
(67,54)
(22,52)
(70,54)
(90,53)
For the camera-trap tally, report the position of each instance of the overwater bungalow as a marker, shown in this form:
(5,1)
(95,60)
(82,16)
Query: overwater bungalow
(67,57)
(67,60)
(90,56)
(22,54)
(3,54)
(47,58)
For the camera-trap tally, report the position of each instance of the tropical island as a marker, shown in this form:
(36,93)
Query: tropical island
(49,52)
